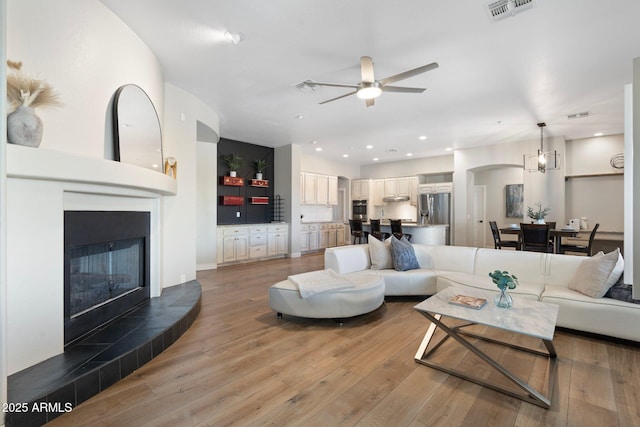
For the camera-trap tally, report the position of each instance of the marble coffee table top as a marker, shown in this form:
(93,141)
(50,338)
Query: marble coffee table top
(527,317)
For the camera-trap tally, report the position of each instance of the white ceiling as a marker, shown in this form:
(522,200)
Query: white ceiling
(496,80)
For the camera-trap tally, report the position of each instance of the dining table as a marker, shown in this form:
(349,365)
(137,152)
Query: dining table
(556,233)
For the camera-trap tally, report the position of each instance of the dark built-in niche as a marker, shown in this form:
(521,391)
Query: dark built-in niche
(250,213)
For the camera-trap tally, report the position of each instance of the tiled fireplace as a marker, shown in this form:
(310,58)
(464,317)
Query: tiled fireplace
(106,267)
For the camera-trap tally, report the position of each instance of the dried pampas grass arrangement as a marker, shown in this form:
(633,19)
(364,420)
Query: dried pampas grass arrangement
(23,89)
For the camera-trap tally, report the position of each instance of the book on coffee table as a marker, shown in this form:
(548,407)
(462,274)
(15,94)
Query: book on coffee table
(467,301)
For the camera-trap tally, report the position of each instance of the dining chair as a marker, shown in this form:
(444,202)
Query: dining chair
(356,231)
(535,237)
(396,229)
(581,248)
(376,231)
(498,243)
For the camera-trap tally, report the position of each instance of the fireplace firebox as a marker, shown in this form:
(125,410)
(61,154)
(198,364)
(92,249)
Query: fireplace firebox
(106,267)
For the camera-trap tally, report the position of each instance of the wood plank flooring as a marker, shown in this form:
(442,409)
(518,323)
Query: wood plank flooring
(239,365)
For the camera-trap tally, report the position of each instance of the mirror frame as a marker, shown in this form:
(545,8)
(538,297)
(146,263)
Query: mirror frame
(127,150)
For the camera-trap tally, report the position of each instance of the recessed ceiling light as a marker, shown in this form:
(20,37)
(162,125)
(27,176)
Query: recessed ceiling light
(409,154)
(598,134)
(318,148)
(448,149)
(369,147)
(422,137)
(375,159)
(345,155)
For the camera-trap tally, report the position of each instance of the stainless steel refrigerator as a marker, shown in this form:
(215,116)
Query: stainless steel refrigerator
(435,209)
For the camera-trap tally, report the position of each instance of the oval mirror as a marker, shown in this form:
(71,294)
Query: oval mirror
(137,134)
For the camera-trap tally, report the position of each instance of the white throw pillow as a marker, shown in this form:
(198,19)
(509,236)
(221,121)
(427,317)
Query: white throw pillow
(597,274)
(380,253)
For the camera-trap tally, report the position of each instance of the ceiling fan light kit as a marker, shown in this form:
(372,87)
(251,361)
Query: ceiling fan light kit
(369,88)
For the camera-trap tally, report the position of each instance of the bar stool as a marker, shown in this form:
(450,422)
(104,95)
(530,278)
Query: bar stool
(396,229)
(375,230)
(356,231)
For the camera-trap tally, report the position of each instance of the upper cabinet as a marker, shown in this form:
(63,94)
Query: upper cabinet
(443,187)
(318,189)
(360,189)
(413,190)
(378,192)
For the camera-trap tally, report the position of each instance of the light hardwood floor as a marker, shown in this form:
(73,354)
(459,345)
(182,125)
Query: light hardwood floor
(239,365)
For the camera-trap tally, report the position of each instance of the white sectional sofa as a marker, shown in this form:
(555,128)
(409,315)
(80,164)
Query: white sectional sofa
(543,277)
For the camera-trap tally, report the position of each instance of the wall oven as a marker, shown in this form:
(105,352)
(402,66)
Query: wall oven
(359,209)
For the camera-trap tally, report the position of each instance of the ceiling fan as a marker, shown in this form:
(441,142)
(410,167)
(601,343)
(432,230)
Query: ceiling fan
(370,88)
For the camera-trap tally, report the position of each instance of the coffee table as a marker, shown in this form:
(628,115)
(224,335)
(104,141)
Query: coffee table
(527,317)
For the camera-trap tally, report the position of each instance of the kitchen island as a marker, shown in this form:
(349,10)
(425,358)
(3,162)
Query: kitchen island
(426,234)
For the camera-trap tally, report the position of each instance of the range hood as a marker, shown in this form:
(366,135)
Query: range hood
(396,199)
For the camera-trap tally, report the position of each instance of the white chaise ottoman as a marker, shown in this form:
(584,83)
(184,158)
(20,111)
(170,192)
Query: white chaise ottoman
(366,296)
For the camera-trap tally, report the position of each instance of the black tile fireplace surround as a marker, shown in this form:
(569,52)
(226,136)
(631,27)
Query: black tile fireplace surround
(106,267)
(45,391)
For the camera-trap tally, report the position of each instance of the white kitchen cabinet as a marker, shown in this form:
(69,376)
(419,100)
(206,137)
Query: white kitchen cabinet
(390,187)
(304,238)
(251,242)
(444,187)
(235,244)
(333,191)
(310,188)
(340,233)
(323,236)
(403,186)
(360,189)
(322,189)
(378,192)
(413,190)
(313,237)
(277,240)
(332,237)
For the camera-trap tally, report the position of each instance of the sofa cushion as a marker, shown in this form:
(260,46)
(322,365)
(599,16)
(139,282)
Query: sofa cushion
(347,259)
(380,253)
(597,274)
(527,266)
(411,282)
(622,292)
(403,255)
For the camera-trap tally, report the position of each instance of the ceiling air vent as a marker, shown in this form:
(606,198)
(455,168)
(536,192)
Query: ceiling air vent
(578,115)
(500,9)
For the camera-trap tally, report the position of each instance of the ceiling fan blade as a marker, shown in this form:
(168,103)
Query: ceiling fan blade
(403,89)
(366,69)
(407,74)
(370,102)
(339,97)
(312,83)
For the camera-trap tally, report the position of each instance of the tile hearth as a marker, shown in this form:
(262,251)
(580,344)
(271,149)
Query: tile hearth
(104,357)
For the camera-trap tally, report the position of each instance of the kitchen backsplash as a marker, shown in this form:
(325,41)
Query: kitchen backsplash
(395,210)
(317,213)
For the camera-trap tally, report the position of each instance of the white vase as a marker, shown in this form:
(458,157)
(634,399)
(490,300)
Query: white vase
(540,221)
(232,174)
(259,175)
(24,127)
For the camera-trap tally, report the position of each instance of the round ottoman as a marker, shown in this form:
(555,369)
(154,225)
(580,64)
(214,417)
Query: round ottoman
(366,296)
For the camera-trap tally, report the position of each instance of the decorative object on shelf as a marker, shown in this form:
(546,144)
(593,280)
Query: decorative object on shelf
(543,161)
(504,281)
(259,183)
(231,200)
(171,167)
(232,181)
(617,161)
(24,94)
(538,215)
(259,166)
(260,200)
(233,162)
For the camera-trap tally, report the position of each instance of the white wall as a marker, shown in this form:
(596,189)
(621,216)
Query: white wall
(206,206)
(327,167)
(590,156)
(409,167)
(85,52)
(182,112)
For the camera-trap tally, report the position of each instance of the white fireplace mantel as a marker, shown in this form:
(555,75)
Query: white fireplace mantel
(41,185)
(36,163)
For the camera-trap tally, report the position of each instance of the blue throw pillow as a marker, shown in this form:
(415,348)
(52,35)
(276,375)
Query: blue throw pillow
(403,255)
